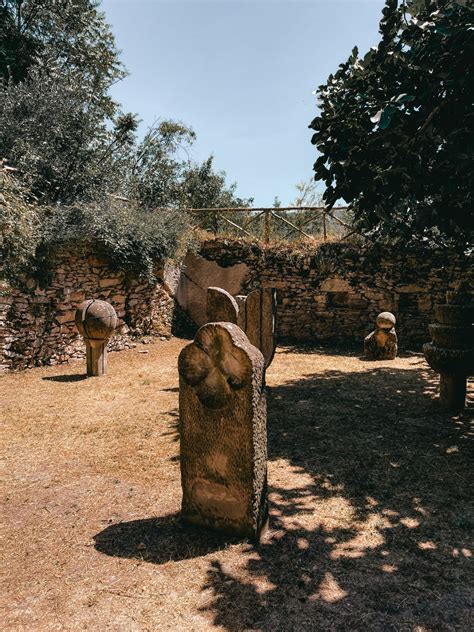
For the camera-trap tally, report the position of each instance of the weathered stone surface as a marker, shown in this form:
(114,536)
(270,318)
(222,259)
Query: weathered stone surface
(454,314)
(255,314)
(223,441)
(385,320)
(96,321)
(451,354)
(197,275)
(221,306)
(382,343)
(260,321)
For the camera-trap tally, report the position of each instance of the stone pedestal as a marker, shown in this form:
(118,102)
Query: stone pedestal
(451,352)
(223,440)
(96,320)
(255,314)
(96,355)
(382,343)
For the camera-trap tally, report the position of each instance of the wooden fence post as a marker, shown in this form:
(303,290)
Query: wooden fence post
(266,227)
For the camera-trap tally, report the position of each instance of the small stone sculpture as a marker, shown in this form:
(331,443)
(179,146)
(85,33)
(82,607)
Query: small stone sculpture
(381,344)
(451,354)
(223,436)
(96,321)
(255,314)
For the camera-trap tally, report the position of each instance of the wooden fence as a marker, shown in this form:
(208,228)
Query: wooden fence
(266,224)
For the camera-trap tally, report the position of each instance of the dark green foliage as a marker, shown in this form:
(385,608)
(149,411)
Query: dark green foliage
(77,155)
(132,237)
(71,35)
(57,136)
(19,227)
(396,127)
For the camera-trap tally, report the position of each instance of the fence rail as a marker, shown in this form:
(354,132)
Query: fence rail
(267,223)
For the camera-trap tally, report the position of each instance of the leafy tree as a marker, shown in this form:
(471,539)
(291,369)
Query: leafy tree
(70,35)
(202,187)
(58,123)
(57,135)
(19,226)
(396,126)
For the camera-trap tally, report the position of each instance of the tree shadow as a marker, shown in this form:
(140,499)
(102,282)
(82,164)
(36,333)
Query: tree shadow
(159,540)
(371,513)
(65,378)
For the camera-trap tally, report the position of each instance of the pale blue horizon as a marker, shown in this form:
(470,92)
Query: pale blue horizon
(241,73)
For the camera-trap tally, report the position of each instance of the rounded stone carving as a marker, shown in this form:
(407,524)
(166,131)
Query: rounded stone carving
(214,366)
(386,320)
(96,320)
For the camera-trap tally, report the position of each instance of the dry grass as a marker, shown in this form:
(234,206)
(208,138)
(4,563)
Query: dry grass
(370,497)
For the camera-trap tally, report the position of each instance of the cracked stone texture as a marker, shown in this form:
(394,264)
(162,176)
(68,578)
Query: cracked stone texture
(223,438)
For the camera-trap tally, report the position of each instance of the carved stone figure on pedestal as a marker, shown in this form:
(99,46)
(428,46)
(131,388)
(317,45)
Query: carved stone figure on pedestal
(451,354)
(255,314)
(381,344)
(96,321)
(223,436)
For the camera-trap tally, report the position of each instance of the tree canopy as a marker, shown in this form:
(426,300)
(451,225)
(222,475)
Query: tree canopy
(395,129)
(78,158)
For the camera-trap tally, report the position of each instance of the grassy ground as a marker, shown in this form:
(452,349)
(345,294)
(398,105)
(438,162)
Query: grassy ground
(371,503)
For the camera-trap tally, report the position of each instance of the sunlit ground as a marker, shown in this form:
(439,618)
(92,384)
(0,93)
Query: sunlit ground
(371,502)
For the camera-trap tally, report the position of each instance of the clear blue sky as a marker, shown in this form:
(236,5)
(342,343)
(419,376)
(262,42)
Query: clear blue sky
(241,74)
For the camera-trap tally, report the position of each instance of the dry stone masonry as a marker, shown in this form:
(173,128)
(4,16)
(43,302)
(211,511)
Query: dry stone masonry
(96,322)
(223,441)
(335,291)
(451,354)
(327,293)
(37,321)
(381,344)
(255,314)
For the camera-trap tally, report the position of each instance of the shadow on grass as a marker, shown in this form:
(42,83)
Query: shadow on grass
(371,513)
(65,378)
(159,540)
(370,527)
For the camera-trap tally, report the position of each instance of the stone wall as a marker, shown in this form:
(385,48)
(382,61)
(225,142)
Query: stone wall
(335,292)
(37,323)
(332,293)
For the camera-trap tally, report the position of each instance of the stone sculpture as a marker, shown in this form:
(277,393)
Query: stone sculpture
(381,344)
(221,306)
(451,352)
(96,321)
(223,440)
(255,314)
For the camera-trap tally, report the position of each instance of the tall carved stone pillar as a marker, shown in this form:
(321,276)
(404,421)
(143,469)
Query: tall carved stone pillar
(223,435)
